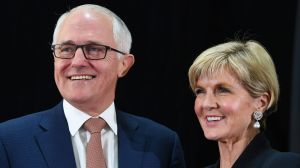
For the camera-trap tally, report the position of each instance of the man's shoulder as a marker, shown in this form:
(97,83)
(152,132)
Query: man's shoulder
(22,124)
(145,125)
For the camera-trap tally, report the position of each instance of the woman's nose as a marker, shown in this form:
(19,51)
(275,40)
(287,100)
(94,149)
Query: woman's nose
(209,101)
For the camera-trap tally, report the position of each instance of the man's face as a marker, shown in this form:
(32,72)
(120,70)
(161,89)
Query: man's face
(87,84)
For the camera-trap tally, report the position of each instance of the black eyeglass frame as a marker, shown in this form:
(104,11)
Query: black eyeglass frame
(82,46)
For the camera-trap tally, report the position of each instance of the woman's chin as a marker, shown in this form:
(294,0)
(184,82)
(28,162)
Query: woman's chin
(211,136)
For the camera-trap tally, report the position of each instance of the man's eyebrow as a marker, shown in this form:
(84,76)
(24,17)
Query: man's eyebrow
(93,42)
(68,42)
(85,43)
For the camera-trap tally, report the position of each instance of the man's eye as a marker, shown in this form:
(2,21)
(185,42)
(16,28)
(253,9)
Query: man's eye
(67,49)
(96,49)
(93,49)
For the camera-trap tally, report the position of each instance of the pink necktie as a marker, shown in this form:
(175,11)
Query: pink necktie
(94,152)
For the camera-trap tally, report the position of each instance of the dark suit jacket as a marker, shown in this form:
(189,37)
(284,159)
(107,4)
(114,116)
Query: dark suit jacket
(42,140)
(259,154)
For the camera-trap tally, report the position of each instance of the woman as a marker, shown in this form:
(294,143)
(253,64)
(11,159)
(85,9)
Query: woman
(236,90)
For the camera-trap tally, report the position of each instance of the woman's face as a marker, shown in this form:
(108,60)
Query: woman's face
(224,107)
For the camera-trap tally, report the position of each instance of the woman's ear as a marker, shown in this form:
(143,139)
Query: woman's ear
(262,102)
(126,63)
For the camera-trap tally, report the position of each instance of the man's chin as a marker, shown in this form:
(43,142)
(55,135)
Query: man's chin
(77,100)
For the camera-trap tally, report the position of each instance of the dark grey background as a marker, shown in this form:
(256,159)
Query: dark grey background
(167,36)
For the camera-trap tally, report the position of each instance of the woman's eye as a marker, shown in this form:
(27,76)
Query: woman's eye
(223,90)
(199,91)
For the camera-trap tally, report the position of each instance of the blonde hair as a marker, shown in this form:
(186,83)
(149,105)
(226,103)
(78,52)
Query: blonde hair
(249,61)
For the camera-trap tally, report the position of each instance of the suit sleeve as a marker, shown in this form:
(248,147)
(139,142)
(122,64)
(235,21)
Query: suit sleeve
(177,154)
(3,155)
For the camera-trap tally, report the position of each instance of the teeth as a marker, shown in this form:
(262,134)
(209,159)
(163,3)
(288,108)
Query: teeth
(82,77)
(214,118)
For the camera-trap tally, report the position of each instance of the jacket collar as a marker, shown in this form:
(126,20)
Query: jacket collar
(131,144)
(55,140)
(251,155)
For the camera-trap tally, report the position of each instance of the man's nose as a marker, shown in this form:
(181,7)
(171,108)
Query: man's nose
(79,55)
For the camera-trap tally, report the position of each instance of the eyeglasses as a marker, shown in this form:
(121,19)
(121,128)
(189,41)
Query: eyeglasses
(90,51)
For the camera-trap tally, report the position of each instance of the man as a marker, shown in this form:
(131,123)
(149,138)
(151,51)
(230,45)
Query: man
(91,48)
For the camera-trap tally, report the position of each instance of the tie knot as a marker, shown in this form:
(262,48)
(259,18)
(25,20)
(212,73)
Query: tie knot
(94,125)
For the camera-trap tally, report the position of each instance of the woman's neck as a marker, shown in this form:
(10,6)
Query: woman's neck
(231,149)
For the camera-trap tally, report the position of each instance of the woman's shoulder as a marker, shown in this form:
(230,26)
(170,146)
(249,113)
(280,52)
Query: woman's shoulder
(283,159)
(211,166)
(215,165)
(259,153)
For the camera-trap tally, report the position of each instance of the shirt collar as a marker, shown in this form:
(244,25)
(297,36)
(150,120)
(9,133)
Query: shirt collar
(76,117)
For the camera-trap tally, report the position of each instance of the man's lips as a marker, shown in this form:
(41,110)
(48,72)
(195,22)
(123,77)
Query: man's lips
(81,77)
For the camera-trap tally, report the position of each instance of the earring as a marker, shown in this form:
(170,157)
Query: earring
(257,115)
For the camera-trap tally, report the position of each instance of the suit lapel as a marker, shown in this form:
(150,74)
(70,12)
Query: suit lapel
(131,145)
(55,141)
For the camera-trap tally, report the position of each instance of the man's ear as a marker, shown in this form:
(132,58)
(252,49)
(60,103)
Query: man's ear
(126,63)
(262,102)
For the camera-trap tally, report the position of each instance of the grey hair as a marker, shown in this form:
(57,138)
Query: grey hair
(121,33)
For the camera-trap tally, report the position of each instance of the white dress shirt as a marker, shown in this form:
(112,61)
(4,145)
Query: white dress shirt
(80,136)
